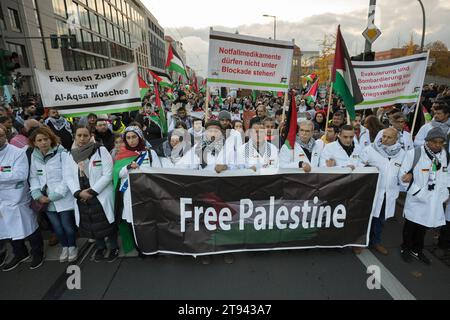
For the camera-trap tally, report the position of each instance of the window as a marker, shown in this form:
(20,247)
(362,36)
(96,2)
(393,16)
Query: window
(110,31)
(20,49)
(116,34)
(59,7)
(2,19)
(14,20)
(94,21)
(87,40)
(91,4)
(100,7)
(102,29)
(108,11)
(114,15)
(84,17)
(96,44)
(61,27)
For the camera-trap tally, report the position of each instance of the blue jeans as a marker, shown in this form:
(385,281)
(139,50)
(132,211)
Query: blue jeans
(377,226)
(64,225)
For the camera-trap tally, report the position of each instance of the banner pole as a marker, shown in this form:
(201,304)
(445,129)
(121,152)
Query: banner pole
(283,116)
(329,106)
(418,101)
(206,106)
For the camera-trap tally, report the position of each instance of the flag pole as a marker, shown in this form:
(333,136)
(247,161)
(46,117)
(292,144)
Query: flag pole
(330,98)
(286,98)
(206,106)
(418,102)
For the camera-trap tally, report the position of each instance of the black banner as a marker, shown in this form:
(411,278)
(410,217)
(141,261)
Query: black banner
(195,213)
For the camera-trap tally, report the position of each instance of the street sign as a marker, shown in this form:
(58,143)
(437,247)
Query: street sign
(371,34)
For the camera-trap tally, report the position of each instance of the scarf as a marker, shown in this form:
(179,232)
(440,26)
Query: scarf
(80,154)
(387,151)
(347,149)
(266,147)
(435,166)
(213,146)
(444,126)
(59,124)
(306,146)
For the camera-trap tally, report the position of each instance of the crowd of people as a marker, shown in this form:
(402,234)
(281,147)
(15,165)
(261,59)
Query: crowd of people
(70,175)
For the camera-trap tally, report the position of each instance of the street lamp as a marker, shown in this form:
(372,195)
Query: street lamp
(423,26)
(274,25)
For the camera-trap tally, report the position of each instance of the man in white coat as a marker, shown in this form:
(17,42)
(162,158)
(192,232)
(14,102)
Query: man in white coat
(441,120)
(424,173)
(306,152)
(386,154)
(343,152)
(362,135)
(17,220)
(257,153)
(397,121)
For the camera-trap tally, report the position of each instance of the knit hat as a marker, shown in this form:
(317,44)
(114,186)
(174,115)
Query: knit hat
(212,123)
(435,133)
(223,115)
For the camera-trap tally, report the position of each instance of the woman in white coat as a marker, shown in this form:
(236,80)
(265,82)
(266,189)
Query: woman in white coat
(386,154)
(134,142)
(427,190)
(17,221)
(88,173)
(49,187)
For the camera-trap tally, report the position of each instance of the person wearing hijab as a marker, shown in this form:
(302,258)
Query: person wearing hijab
(134,154)
(88,172)
(177,144)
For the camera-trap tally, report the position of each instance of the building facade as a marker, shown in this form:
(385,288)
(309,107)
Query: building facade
(296,71)
(108,33)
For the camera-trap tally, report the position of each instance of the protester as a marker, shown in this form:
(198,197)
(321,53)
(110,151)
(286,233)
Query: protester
(88,173)
(398,121)
(197,130)
(386,154)
(61,127)
(18,221)
(424,173)
(306,152)
(441,120)
(320,120)
(362,135)
(343,152)
(49,188)
(257,153)
(21,139)
(373,125)
(103,135)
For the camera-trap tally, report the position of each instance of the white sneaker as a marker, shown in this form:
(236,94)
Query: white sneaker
(64,254)
(73,254)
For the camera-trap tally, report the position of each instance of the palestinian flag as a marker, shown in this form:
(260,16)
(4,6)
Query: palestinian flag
(291,124)
(163,79)
(310,77)
(311,95)
(162,116)
(143,86)
(344,78)
(220,100)
(174,62)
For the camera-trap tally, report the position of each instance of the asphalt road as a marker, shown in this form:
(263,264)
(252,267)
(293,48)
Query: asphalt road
(276,275)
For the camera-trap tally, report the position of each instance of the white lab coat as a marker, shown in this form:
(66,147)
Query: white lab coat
(388,183)
(100,178)
(423,206)
(127,213)
(232,144)
(404,139)
(51,174)
(364,138)
(192,159)
(335,151)
(289,158)
(422,134)
(261,160)
(17,220)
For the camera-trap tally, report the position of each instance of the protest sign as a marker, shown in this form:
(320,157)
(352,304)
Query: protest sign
(199,212)
(238,61)
(77,93)
(387,82)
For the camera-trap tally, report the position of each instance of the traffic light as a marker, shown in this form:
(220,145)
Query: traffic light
(54,41)
(8,63)
(64,41)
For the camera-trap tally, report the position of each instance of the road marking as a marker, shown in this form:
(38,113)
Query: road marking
(389,282)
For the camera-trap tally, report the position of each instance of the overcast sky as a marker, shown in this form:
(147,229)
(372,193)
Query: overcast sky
(306,21)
